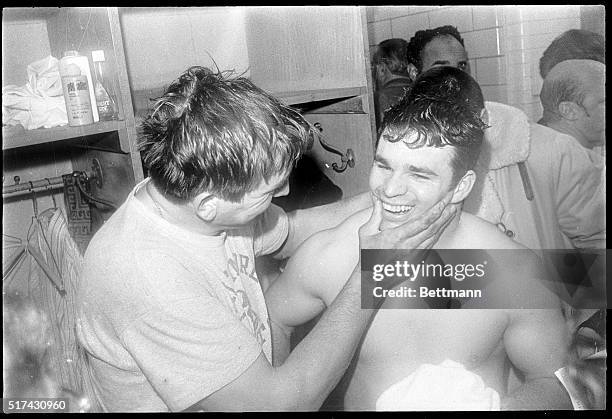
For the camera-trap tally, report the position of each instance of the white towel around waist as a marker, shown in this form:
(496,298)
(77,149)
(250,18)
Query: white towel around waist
(447,386)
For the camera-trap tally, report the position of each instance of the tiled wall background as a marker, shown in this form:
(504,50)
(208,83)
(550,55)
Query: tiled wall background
(504,43)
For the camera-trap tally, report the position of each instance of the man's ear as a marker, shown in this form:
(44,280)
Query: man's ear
(412,71)
(464,187)
(569,110)
(484,116)
(205,206)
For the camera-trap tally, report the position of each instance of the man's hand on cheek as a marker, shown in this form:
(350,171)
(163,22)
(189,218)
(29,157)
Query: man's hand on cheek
(421,232)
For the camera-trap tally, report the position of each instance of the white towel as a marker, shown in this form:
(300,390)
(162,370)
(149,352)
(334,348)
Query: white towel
(447,386)
(38,103)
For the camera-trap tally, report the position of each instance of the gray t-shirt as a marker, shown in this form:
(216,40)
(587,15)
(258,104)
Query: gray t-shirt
(169,316)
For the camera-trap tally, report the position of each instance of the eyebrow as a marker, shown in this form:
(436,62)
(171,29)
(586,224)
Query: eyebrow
(410,168)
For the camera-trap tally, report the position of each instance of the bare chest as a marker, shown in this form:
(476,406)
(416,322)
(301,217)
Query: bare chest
(399,341)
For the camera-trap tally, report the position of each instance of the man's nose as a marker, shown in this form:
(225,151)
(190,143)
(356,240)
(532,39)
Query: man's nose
(394,186)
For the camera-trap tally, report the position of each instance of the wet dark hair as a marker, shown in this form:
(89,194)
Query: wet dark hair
(575,44)
(394,53)
(222,134)
(421,38)
(443,108)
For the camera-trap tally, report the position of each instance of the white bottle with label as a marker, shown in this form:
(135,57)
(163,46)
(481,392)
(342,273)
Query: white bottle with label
(66,68)
(76,95)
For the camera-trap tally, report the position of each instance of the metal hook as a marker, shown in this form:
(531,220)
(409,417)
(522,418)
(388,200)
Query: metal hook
(347,159)
(34,201)
(52,196)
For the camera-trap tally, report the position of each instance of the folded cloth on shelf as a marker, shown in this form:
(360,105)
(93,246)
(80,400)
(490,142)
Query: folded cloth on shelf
(39,102)
(447,386)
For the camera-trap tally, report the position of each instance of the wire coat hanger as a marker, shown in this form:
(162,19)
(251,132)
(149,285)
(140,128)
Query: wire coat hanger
(47,187)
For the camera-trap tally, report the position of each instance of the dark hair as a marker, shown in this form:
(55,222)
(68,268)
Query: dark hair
(575,44)
(421,38)
(443,107)
(394,53)
(211,132)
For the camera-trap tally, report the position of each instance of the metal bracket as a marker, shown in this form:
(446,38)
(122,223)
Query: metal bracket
(347,159)
(97,173)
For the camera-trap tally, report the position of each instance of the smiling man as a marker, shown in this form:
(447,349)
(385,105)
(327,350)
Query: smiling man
(426,153)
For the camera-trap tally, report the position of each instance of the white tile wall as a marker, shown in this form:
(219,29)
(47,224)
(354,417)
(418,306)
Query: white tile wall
(483,43)
(458,16)
(555,26)
(484,17)
(491,71)
(542,41)
(405,27)
(522,56)
(377,13)
(400,11)
(519,95)
(517,14)
(495,93)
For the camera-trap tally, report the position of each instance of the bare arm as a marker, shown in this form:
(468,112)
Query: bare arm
(316,365)
(536,342)
(317,269)
(304,223)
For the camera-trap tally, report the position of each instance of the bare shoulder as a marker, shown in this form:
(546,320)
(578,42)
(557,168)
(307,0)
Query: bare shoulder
(476,233)
(520,278)
(344,235)
(329,256)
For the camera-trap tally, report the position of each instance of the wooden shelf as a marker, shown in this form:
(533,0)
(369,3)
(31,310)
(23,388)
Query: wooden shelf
(305,96)
(142,102)
(17,136)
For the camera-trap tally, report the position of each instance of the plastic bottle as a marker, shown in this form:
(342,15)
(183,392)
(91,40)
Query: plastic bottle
(107,107)
(76,91)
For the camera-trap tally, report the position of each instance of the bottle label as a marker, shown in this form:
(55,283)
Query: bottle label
(78,105)
(105,104)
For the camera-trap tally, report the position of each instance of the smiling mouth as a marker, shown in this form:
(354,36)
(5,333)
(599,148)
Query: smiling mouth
(397,209)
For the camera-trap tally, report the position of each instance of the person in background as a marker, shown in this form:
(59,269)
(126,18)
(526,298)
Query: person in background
(573,97)
(537,185)
(574,44)
(170,307)
(574,101)
(437,47)
(390,69)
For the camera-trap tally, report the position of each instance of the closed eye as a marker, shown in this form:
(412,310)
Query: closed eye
(381,165)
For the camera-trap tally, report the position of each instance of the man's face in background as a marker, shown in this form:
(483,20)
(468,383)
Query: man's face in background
(447,51)
(592,118)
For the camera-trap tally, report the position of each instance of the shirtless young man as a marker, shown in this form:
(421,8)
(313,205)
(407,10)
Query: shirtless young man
(428,146)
